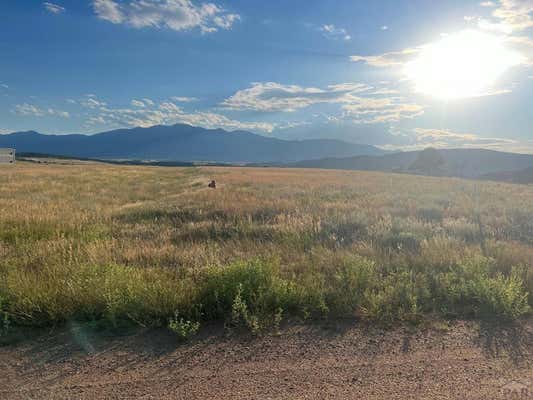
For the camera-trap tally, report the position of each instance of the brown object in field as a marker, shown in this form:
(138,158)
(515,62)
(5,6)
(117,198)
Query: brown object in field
(212,184)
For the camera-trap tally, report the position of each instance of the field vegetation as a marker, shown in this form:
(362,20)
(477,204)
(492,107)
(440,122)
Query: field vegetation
(154,246)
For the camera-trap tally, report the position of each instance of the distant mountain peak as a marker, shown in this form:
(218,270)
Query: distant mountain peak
(182,142)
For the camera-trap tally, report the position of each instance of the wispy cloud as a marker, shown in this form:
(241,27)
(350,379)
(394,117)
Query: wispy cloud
(179,99)
(359,103)
(167,112)
(109,10)
(381,110)
(420,138)
(390,59)
(138,103)
(177,15)
(31,110)
(333,32)
(273,96)
(91,101)
(53,8)
(517,14)
(513,19)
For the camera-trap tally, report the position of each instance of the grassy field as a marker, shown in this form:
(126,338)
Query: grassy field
(155,247)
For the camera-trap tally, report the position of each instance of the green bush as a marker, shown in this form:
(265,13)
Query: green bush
(468,289)
(257,294)
(349,285)
(400,295)
(253,292)
(183,328)
(241,316)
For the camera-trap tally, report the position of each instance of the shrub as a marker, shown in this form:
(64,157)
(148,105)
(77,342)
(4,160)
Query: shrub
(253,292)
(468,289)
(183,328)
(349,284)
(399,296)
(241,316)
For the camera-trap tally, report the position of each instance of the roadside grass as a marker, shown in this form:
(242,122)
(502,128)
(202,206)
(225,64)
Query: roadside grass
(154,247)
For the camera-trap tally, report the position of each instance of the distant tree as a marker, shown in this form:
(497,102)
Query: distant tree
(429,162)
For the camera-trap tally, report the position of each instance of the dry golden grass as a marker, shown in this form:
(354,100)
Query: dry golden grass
(70,231)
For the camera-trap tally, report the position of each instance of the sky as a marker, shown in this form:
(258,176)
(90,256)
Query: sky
(400,74)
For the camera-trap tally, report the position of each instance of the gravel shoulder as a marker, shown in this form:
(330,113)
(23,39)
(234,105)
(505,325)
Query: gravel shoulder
(463,360)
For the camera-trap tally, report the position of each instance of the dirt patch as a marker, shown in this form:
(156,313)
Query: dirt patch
(461,361)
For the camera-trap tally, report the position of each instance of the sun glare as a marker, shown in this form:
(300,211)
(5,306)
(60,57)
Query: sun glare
(465,64)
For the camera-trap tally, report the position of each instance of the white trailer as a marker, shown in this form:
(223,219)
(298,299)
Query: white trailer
(7,156)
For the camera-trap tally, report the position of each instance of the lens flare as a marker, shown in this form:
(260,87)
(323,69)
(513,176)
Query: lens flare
(465,64)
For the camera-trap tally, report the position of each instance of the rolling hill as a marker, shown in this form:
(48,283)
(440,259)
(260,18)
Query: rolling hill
(521,176)
(465,163)
(183,143)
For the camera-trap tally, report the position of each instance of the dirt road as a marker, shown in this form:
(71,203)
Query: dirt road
(462,361)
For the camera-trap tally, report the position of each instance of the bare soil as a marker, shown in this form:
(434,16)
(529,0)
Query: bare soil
(461,360)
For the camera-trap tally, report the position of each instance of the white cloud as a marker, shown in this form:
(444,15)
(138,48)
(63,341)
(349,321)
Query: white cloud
(29,109)
(272,96)
(177,15)
(108,10)
(332,32)
(360,103)
(524,45)
(491,26)
(4,86)
(91,101)
(214,120)
(487,4)
(517,14)
(420,138)
(53,8)
(137,103)
(381,110)
(168,113)
(390,59)
(5,131)
(58,113)
(384,28)
(179,99)
(26,109)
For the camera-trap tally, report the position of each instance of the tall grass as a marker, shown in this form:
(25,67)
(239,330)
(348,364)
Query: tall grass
(154,246)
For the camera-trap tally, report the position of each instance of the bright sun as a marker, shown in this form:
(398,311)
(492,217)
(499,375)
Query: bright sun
(460,65)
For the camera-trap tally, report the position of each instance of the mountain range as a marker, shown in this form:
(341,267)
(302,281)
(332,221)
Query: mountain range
(172,145)
(183,143)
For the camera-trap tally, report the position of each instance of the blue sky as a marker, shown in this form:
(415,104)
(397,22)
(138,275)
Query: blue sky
(291,69)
